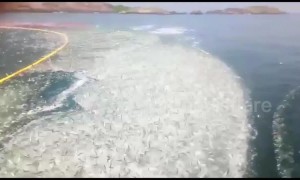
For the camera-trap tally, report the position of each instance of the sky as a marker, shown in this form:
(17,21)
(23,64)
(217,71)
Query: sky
(292,7)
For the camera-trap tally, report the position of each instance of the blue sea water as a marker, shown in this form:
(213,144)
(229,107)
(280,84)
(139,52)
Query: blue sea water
(264,50)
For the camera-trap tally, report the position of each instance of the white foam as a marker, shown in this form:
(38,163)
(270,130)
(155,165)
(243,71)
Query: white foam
(44,108)
(169,30)
(155,111)
(62,96)
(195,44)
(205,52)
(143,27)
(71,89)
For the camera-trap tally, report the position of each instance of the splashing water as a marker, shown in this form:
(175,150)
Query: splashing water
(169,30)
(143,27)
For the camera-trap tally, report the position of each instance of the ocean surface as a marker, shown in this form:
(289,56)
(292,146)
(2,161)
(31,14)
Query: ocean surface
(216,61)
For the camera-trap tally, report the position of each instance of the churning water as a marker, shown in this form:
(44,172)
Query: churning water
(146,101)
(149,109)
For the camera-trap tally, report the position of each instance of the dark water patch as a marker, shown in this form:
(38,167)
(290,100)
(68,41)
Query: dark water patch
(44,86)
(30,92)
(48,85)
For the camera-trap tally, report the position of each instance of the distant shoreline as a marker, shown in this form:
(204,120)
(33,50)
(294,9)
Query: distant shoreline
(107,8)
(182,14)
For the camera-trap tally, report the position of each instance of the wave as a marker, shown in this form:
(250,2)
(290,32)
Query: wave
(169,30)
(141,28)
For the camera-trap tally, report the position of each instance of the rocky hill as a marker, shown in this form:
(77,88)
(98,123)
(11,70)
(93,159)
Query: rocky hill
(177,13)
(198,12)
(56,7)
(248,10)
(102,7)
(143,10)
(99,7)
(264,10)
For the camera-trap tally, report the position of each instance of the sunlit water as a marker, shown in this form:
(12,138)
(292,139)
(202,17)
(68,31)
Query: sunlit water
(145,100)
